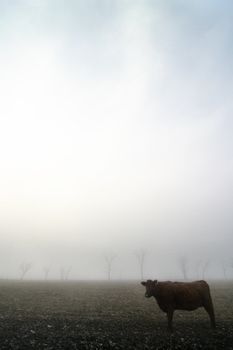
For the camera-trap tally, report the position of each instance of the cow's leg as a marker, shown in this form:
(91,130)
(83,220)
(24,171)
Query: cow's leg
(169,319)
(210,310)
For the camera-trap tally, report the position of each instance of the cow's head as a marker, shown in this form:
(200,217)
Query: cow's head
(150,287)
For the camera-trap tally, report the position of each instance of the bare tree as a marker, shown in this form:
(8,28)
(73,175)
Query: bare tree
(231,264)
(224,269)
(183,265)
(198,266)
(46,270)
(140,256)
(67,274)
(109,258)
(24,268)
(205,266)
(64,273)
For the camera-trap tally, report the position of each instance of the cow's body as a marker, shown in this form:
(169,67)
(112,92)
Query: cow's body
(172,296)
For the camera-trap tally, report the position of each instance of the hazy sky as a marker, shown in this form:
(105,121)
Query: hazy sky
(115,133)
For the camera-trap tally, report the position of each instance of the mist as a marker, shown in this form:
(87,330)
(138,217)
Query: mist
(116,138)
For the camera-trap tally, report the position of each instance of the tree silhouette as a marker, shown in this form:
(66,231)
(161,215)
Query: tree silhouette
(24,268)
(182,263)
(204,268)
(140,256)
(46,270)
(224,269)
(64,273)
(109,258)
(198,266)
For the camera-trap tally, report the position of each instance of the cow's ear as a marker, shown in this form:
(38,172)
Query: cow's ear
(143,283)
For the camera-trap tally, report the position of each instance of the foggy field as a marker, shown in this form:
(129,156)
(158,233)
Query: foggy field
(100,315)
(116,165)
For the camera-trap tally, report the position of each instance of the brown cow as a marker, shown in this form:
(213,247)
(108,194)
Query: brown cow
(172,296)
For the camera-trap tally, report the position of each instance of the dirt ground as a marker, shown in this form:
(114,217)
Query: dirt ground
(100,315)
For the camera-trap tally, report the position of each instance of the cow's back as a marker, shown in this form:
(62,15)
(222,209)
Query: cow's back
(190,295)
(183,295)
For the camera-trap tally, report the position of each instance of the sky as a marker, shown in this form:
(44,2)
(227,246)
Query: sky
(116,136)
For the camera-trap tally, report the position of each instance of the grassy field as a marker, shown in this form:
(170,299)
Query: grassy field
(100,315)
